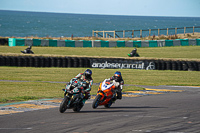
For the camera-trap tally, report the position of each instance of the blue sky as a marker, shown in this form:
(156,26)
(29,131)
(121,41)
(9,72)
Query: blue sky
(179,8)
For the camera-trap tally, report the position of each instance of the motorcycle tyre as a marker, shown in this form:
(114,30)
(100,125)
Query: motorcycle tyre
(96,101)
(108,105)
(78,108)
(63,105)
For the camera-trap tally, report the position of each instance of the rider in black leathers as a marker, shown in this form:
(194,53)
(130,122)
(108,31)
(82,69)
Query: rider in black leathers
(87,77)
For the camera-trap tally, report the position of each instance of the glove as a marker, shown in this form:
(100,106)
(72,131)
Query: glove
(67,87)
(116,84)
(82,90)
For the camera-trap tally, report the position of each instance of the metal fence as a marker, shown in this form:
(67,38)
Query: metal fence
(146,32)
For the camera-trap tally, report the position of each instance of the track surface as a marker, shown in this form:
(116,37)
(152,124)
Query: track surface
(164,113)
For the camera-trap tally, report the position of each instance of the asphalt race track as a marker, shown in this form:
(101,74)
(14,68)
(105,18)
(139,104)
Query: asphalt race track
(172,112)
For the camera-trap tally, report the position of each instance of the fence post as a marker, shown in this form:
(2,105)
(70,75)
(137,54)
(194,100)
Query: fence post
(132,33)
(141,33)
(184,30)
(92,43)
(96,33)
(193,30)
(114,34)
(123,33)
(103,34)
(149,32)
(158,32)
(167,31)
(175,31)
(106,35)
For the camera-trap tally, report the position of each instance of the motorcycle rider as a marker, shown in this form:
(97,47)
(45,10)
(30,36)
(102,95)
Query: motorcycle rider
(134,53)
(117,78)
(87,77)
(28,50)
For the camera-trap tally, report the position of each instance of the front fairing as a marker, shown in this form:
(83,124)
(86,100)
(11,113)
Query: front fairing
(106,91)
(75,99)
(107,88)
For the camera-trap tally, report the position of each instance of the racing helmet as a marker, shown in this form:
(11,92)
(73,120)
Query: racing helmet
(87,73)
(117,76)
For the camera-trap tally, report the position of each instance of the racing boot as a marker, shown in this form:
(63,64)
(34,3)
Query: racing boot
(114,99)
(119,95)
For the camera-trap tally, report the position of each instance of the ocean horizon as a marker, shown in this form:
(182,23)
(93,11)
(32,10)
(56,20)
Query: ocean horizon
(43,24)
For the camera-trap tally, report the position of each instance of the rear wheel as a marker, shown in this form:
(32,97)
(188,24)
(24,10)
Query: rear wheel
(63,105)
(96,101)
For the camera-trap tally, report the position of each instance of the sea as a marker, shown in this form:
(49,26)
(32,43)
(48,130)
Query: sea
(43,24)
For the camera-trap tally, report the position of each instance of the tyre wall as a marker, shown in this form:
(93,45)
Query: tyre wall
(3,41)
(108,63)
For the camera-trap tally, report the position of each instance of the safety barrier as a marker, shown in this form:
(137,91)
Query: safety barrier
(29,61)
(100,43)
(110,63)
(3,41)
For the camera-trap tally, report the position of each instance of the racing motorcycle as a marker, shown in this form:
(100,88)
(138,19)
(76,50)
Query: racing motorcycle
(73,96)
(106,94)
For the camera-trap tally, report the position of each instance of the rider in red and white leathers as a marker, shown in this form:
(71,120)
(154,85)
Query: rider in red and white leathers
(119,82)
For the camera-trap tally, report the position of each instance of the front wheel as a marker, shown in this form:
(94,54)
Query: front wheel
(109,104)
(78,108)
(96,101)
(63,105)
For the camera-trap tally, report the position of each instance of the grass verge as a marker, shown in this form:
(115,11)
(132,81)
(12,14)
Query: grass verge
(22,91)
(38,87)
(179,52)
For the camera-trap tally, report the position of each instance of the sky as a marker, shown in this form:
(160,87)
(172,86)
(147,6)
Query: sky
(176,8)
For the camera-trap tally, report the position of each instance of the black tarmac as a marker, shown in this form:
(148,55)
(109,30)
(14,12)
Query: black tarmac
(163,113)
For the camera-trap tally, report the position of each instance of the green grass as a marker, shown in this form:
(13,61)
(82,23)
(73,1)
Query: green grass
(130,76)
(37,88)
(182,52)
(20,91)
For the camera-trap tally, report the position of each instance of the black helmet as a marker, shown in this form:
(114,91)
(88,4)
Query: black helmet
(87,73)
(117,76)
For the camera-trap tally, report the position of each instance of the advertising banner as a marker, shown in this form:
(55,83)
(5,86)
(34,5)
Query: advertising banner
(121,64)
